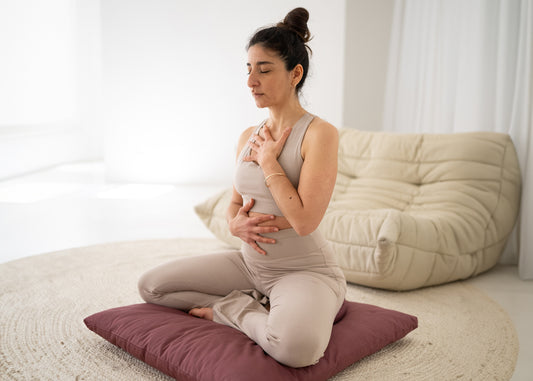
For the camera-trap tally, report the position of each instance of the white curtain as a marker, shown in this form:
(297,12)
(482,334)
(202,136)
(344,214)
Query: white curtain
(466,65)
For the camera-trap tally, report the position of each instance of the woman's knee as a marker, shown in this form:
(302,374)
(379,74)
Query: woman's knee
(157,282)
(298,349)
(147,289)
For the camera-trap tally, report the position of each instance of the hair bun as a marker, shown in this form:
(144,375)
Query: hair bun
(296,20)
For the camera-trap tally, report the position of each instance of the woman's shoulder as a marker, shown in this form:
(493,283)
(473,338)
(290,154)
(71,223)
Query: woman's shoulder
(247,132)
(245,135)
(320,129)
(320,136)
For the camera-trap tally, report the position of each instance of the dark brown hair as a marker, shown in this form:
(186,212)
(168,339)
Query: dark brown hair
(289,39)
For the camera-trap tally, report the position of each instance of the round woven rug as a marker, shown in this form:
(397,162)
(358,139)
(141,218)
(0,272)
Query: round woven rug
(462,333)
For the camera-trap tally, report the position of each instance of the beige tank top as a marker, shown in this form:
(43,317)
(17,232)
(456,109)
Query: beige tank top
(249,179)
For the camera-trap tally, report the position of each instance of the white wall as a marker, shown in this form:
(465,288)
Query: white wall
(175,82)
(174,89)
(49,72)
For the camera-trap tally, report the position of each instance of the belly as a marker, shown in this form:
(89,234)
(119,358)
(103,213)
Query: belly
(279,221)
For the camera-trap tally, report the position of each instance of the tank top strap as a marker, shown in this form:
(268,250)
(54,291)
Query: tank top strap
(247,150)
(260,126)
(300,128)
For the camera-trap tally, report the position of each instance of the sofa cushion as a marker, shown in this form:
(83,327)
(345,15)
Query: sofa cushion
(212,212)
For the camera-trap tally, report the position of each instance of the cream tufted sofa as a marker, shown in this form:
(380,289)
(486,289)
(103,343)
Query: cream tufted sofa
(413,210)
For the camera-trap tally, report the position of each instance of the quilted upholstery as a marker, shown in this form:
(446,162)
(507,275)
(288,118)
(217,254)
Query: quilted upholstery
(414,210)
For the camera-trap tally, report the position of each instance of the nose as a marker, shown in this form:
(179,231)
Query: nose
(252,80)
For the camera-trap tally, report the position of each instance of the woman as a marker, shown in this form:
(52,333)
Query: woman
(283,288)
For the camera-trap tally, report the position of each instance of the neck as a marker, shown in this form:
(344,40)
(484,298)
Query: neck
(285,115)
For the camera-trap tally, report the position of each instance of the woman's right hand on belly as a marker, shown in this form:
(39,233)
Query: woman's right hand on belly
(248,228)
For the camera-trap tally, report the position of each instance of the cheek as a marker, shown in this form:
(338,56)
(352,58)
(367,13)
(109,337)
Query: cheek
(280,87)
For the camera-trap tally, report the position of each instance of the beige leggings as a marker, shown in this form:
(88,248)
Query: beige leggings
(285,301)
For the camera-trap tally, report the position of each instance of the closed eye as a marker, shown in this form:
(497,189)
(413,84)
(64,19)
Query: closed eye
(261,72)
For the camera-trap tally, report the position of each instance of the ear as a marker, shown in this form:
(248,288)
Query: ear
(297,74)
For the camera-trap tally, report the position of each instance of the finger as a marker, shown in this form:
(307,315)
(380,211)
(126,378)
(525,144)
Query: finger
(258,138)
(262,239)
(255,141)
(257,248)
(266,132)
(254,147)
(285,136)
(266,229)
(246,207)
(259,219)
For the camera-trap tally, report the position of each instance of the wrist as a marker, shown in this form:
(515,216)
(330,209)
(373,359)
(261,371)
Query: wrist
(271,167)
(268,162)
(230,227)
(268,178)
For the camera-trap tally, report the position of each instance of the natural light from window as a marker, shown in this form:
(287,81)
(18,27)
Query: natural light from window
(136,191)
(38,64)
(25,193)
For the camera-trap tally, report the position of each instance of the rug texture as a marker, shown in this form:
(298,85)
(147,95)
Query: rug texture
(462,333)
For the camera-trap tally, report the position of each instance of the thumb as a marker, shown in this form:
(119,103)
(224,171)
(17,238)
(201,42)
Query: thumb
(246,207)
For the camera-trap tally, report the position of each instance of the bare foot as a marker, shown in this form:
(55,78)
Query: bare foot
(204,313)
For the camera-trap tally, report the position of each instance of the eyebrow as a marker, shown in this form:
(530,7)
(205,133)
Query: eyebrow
(261,63)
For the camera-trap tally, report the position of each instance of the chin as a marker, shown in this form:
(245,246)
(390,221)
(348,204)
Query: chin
(260,104)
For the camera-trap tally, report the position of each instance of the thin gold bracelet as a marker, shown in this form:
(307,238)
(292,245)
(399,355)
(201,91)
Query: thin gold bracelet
(273,174)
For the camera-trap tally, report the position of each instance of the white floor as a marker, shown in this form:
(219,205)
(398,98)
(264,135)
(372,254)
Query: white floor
(73,205)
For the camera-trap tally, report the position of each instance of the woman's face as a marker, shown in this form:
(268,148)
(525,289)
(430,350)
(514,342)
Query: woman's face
(268,79)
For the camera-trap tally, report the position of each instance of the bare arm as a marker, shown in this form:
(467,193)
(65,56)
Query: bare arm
(304,207)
